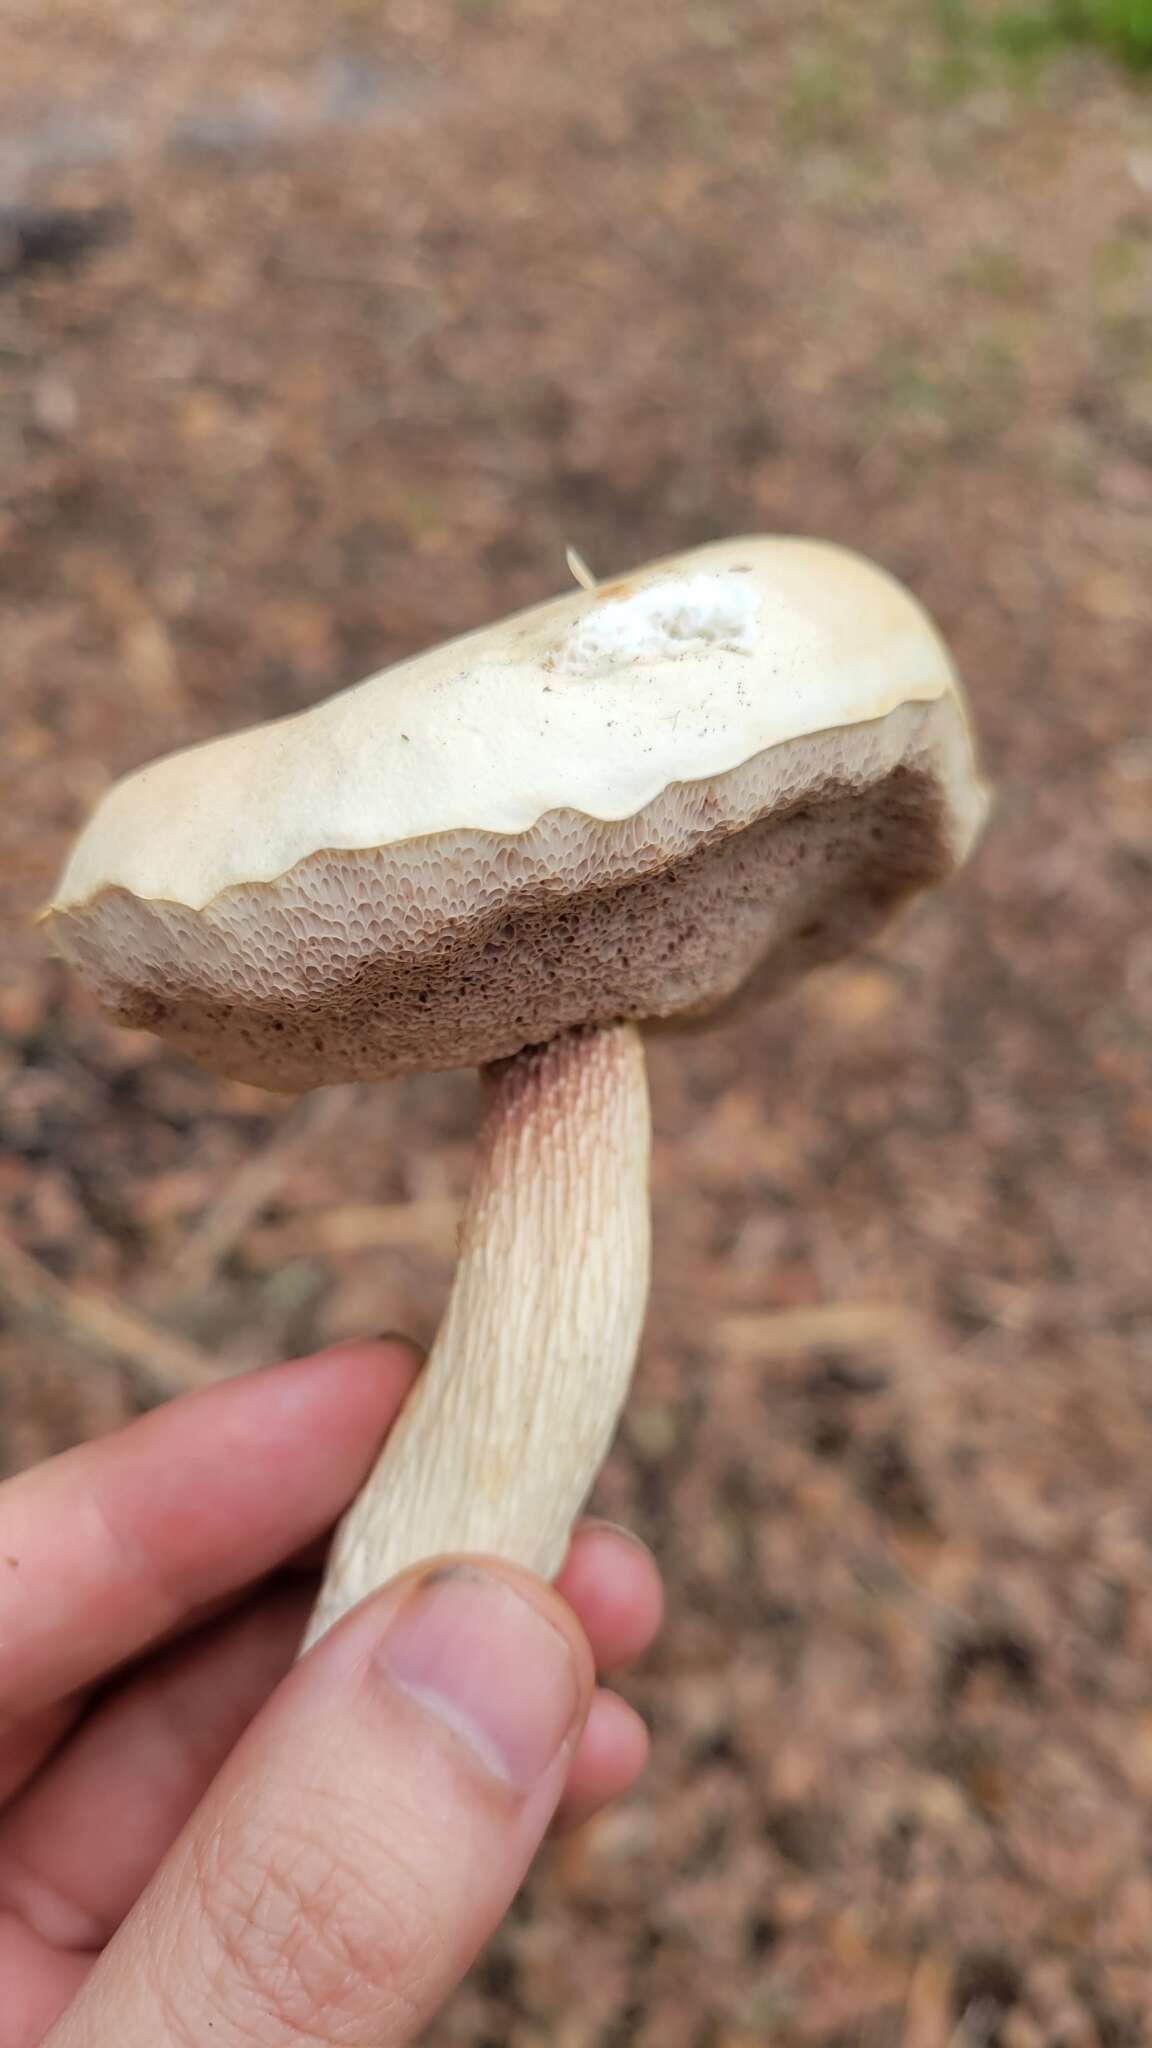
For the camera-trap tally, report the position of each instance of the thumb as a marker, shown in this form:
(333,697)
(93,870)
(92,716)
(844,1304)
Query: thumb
(366,1834)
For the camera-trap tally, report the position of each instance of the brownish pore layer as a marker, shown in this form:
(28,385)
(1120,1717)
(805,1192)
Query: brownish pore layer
(756,907)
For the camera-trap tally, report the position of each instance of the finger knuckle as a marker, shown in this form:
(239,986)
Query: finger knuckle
(311,1933)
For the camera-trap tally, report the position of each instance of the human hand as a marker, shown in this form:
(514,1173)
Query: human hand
(200,1841)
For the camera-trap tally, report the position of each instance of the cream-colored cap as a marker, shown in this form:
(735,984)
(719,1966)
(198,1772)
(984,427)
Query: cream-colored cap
(618,804)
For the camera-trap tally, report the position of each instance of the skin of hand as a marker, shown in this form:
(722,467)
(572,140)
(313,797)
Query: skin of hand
(203,1840)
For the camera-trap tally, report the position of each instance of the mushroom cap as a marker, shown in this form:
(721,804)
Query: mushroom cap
(630,803)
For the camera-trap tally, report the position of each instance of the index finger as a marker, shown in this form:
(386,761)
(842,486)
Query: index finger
(109,1547)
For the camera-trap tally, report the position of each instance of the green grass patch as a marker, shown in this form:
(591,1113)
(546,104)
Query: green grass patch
(1042,28)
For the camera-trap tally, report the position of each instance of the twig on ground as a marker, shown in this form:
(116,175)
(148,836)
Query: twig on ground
(433,1223)
(429,1225)
(170,1363)
(826,1326)
(242,1198)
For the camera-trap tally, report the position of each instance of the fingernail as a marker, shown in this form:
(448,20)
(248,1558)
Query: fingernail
(404,1341)
(485,1661)
(601,1523)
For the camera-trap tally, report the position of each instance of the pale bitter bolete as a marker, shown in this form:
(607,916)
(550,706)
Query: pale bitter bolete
(617,810)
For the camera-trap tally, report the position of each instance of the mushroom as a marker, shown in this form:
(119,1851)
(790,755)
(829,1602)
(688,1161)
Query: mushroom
(619,810)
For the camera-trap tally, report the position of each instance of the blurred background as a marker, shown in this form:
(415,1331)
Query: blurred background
(323,330)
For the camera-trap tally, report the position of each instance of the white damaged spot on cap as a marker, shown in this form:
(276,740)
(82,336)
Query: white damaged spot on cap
(688,615)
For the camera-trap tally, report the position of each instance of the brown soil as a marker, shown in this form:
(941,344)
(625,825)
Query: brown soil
(407,295)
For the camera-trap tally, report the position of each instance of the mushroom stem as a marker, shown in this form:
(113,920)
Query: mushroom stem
(509,1423)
